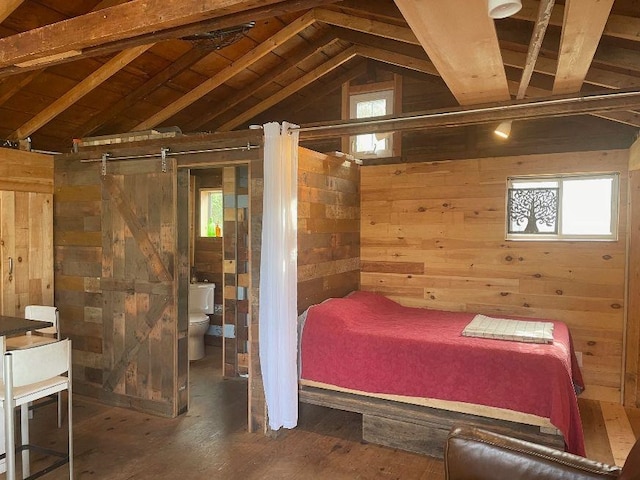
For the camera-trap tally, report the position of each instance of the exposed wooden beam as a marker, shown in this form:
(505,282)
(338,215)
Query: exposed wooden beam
(462,43)
(557,106)
(10,86)
(175,68)
(288,62)
(290,89)
(79,91)
(544,14)
(7,7)
(393,58)
(365,25)
(584,22)
(618,26)
(143,21)
(236,67)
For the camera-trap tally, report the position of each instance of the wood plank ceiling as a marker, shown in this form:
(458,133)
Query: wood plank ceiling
(71,69)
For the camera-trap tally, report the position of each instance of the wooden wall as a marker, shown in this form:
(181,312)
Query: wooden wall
(26,227)
(433,236)
(328,227)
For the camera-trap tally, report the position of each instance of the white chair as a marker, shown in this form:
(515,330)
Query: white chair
(28,375)
(41,336)
(42,313)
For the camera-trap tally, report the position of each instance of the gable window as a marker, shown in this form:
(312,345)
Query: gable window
(211,212)
(563,207)
(367,105)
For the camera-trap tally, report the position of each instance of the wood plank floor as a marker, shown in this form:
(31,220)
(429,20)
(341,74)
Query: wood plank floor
(210,441)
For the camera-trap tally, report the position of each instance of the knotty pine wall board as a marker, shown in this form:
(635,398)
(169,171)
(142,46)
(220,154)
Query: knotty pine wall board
(433,235)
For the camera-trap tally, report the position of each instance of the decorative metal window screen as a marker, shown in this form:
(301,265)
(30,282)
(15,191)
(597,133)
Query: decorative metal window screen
(533,211)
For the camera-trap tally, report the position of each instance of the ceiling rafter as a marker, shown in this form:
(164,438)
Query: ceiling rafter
(618,26)
(7,7)
(584,22)
(225,74)
(290,89)
(184,62)
(289,62)
(80,90)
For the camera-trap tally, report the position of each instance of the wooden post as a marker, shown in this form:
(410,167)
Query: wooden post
(632,329)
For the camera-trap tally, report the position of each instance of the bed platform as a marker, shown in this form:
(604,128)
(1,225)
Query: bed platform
(418,428)
(412,375)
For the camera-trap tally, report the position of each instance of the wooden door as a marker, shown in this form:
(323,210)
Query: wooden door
(138,285)
(26,249)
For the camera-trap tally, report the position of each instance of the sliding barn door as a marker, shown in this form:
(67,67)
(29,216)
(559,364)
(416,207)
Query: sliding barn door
(138,277)
(26,249)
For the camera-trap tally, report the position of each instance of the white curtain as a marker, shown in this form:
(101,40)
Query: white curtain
(278,275)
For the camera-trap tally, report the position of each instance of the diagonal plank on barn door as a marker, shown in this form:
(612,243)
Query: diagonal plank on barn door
(134,343)
(144,242)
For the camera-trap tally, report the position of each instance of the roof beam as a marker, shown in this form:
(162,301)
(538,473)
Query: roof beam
(366,25)
(290,89)
(80,90)
(248,59)
(287,63)
(446,31)
(618,26)
(7,7)
(134,23)
(584,22)
(392,58)
(175,68)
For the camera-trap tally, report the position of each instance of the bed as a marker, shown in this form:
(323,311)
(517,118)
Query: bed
(412,375)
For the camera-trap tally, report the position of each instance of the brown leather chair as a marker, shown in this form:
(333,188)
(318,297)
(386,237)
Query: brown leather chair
(475,454)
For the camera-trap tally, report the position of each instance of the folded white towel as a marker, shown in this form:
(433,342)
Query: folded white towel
(505,329)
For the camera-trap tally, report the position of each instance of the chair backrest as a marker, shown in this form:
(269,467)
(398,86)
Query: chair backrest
(43,313)
(36,364)
(631,469)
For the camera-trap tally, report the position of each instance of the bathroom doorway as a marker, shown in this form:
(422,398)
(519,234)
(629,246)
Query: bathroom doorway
(219,254)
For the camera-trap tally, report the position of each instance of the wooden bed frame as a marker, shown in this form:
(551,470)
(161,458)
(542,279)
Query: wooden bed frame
(418,428)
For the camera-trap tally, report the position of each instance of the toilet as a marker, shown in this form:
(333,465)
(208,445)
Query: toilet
(200,304)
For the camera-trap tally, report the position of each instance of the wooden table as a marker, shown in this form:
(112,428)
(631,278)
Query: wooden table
(14,326)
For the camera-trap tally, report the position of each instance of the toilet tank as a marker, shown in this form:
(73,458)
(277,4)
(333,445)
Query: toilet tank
(201,297)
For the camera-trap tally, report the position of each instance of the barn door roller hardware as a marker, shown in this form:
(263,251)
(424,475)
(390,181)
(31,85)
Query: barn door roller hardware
(162,155)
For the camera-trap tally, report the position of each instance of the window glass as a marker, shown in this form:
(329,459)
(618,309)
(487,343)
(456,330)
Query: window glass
(366,105)
(575,207)
(211,212)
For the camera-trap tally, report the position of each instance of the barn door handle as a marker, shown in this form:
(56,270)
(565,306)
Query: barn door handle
(10,265)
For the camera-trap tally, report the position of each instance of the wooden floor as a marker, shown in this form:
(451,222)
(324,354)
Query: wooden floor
(210,441)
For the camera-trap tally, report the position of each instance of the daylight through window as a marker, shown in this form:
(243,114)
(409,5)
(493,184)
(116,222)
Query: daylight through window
(564,207)
(211,212)
(366,105)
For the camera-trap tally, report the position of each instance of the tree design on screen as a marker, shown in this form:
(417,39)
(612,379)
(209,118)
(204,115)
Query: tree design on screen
(533,208)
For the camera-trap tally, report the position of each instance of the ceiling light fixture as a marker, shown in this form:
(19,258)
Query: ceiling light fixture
(503,8)
(503,130)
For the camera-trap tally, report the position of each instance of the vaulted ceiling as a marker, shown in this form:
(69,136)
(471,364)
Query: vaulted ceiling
(78,68)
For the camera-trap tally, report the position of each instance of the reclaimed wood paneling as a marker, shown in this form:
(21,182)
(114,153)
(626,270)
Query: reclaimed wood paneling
(328,227)
(433,236)
(78,268)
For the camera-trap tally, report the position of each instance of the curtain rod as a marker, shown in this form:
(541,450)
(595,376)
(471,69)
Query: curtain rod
(461,116)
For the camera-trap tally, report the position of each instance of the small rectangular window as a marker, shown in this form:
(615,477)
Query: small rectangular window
(366,105)
(211,212)
(563,207)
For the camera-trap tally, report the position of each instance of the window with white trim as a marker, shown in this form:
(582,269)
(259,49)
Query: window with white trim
(211,212)
(563,207)
(366,105)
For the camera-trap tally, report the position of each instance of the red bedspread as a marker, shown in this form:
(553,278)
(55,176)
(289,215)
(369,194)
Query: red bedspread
(370,343)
